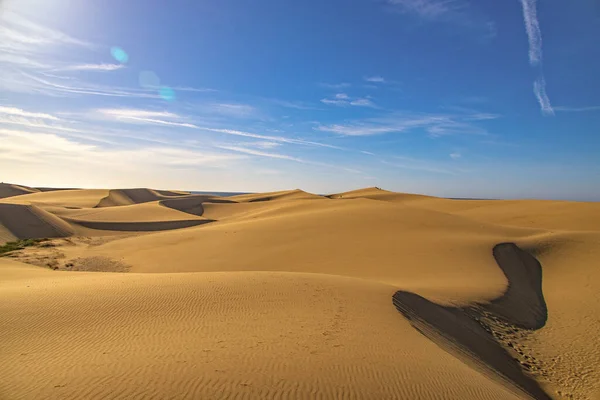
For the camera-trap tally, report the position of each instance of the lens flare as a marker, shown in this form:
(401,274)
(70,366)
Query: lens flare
(119,54)
(167,93)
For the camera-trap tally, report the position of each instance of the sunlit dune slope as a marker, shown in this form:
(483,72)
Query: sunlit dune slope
(376,193)
(216,335)
(292,295)
(296,194)
(77,198)
(122,197)
(363,238)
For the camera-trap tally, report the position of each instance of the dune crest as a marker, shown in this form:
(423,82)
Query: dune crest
(295,194)
(122,197)
(480,333)
(9,190)
(375,193)
(32,222)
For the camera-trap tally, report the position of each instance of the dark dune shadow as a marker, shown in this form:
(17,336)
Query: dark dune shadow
(192,204)
(141,226)
(470,332)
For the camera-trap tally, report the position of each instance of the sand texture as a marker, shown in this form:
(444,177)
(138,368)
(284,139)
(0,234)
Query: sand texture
(368,294)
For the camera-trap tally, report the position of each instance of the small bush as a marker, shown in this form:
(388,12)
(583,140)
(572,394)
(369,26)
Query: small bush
(19,245)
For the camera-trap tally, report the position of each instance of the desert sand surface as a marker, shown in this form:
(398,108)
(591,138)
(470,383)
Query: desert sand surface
(368,294)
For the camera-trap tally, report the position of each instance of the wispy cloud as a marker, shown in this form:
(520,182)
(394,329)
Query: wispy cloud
(534,33)
(92,67)
(166,118)
(362,102)
(534,36)
(418,165)
(260,153)
(336,86)
(375,79)
(13,111)
(539,88)
(429,9)
(22,34)
(46,148)
(279,139)
(254,152)
(24,43)
(30,62)
(42,83)
(292,104)
(343,100)
(576,109)
(433,124)
(455,156)
(457,12)
(334,102)
(145,117)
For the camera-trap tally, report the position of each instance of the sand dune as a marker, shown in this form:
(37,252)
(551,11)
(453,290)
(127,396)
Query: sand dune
(376,193)
(296,194)
(247,335)
(8,190)
(292,295)
(122,197)
(479,331)
(25,222)
(61,198)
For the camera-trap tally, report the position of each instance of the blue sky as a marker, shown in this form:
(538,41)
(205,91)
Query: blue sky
(454,98)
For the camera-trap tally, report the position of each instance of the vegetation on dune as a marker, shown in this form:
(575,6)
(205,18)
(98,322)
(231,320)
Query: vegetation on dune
(19,245)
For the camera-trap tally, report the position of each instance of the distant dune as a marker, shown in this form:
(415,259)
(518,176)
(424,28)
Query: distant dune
(362,294)
(8,190)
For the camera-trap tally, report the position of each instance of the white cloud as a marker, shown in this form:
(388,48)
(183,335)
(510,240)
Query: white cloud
(534,36)
(265,144)
(419,165)
(534,33)
(135,113)
(32,82)
(335,85)
(335,102)
(93,67)
(138,116)
(359,129)
(375,79)
(166,118)
(539,88)
(270,138)
(576,109)
(254,152)
(45,148)
(281,156)
(429,9)
(343,100)
(434,124)
(363,103)
(455,156)
(26,44)
(13,111)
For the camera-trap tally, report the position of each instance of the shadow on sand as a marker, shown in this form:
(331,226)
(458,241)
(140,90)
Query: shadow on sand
(478,334)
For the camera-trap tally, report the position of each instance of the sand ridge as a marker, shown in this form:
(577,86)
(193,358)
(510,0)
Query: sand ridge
(291,295)
(9,190)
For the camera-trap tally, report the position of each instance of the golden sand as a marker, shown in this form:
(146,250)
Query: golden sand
(364,294)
